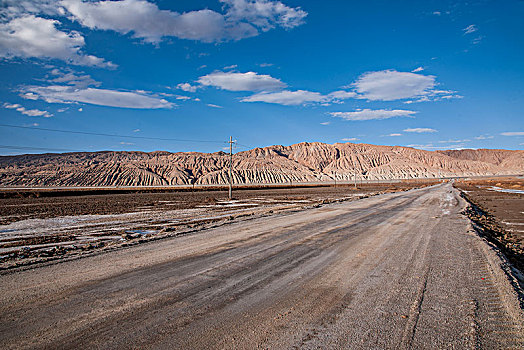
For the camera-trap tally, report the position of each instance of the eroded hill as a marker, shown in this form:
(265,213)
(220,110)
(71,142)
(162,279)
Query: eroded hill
(303,162)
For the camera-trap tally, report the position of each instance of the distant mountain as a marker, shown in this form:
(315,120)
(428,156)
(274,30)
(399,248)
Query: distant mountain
(499,157)
(275,164)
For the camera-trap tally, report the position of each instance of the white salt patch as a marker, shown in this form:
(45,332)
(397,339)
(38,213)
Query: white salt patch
(505,190)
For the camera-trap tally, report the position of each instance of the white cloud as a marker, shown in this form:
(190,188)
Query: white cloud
(287,98)
(264,14)
(11,105)
(513,133)
(389,85)
(299,97)
(393,135)
(100,97)
(430,146)
(233,66)
(146,21)
(265,64)
(454,141)
(136,130)
(426,146)
(419,69)
(470,29)
(242,19)
(70,78)
(28,112)
(350,139)
(483,137)
(419,130)
(341,95)
(325,123)
(29,96)
(29,36)
(34,112)
(234,81)
(449,97)
(187,87)
(371,114)
(17,8)
(213,106)
(437,13)
(477,40)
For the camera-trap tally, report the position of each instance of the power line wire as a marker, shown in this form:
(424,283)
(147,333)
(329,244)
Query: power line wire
(38,148)
(245,146)
(30,148)
(109,135)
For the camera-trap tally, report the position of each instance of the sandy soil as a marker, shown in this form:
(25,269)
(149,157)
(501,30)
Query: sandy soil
(45,225)
(396,271)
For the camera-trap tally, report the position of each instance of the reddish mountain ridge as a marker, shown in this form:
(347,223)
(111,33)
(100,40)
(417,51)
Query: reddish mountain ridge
(303,162)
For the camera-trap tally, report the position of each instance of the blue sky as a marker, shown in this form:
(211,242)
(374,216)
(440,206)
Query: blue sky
(424,74)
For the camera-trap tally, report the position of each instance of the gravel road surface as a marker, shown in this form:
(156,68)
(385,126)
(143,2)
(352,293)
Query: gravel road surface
(399,270)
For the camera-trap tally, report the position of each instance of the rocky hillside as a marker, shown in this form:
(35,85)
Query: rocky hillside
(499,157)
(303,162)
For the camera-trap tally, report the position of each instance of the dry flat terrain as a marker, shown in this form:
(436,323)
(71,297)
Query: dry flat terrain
(303,162)
(47,224)
(398,270)
(498,210)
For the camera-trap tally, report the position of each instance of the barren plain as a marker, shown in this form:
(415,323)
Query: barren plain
(497,208)
(43,225)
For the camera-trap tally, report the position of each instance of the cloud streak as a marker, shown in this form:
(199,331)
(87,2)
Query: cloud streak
(298,97)
(95,96)
(373,114)
(470,29)
(28,112)
(287,98)
(513,133)
(420,130)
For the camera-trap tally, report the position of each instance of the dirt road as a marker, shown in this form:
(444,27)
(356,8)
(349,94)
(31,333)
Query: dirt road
(400,270)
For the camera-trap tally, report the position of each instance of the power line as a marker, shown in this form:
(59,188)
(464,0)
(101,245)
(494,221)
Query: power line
(39,148)
(245,146)
(109,135)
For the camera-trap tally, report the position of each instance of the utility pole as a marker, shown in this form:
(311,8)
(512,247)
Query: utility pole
(354,171)
(231,167)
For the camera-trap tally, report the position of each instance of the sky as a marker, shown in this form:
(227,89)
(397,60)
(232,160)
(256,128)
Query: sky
(186,75)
